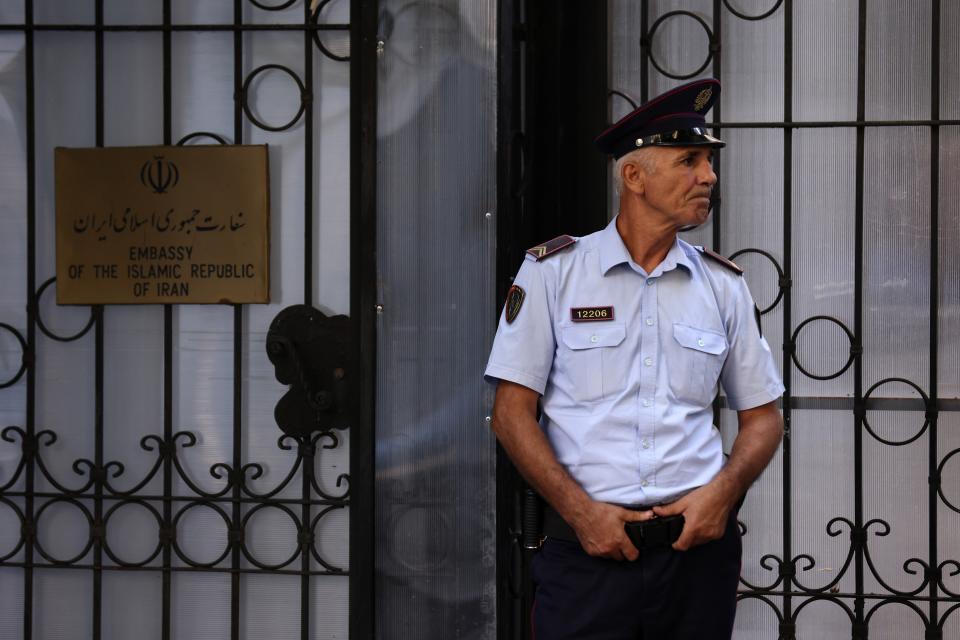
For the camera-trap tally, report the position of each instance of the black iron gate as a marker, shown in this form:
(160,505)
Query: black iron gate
(850,554)
(100,489)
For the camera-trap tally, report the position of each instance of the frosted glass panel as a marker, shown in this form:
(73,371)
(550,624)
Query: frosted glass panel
(896,275)
(823,238)
(898,54)
(949,60)
(436,195)
(824,60)
(752,65)
(948,339)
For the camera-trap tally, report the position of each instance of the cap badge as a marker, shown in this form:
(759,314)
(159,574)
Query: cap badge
(702,99)
(515,297)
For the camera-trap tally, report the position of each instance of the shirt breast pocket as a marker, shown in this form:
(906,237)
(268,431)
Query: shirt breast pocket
(586,361)
(695,369)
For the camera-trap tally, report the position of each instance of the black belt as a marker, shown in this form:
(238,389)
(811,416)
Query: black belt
(649,534)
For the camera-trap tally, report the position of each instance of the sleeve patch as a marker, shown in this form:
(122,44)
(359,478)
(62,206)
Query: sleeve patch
(550,247)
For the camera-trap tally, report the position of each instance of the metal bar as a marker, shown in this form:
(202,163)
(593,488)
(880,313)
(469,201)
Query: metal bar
(237,507)
(832,124)
(934,299)
(179,569)
(717,213)
(31,373)
(858,315)
(112,28)
(363,297)
(645,50)
(166,585)
(236,514)
(98,311)
(787,301)
(308,99)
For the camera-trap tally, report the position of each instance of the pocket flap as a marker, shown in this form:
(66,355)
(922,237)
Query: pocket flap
(595,335)
(699,339)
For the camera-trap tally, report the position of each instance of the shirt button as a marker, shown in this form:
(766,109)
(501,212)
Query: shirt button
(645,444)
(646,402)
(595,338)
(644,483)
(650,282)
(649,322)
(648,361)
(700,341)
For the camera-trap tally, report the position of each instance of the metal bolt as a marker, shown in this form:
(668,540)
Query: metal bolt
(487,418)
(380,46)
(488,215)
(379,309)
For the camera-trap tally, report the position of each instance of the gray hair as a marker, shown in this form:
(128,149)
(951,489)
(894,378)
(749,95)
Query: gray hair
(644,157)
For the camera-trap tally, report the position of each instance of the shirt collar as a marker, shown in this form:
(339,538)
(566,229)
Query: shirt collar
(614,252)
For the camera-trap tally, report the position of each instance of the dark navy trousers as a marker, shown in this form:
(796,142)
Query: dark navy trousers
(664,595)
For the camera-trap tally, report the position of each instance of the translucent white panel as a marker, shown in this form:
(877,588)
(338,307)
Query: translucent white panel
(132,89)
(11,604)
(435,493)
(898,46)
(332,178)
(63,12)
(272,608)
(825,60)
(949,60)
(896,264)
(13,238)
(752,66)
(680,45)
(948,506)
(822,489)
(202,85)
(822,619)
(13,176)
(201,11)
(62,604)
(203,392)
(948,338)
(332,533)
(132,12)
(757,620)
(272,15)
(761,514)
(626,61)
(329,607)
(143,620)
(11,13)
(200,607)
(822,241)
(202,533)
(270,535)
(895,489)
(132,532)
(894,621)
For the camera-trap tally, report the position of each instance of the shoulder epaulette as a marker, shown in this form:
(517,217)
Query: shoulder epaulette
(550,247)
(713,255)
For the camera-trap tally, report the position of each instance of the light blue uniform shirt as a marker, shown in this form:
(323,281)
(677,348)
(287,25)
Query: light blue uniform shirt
(627,401)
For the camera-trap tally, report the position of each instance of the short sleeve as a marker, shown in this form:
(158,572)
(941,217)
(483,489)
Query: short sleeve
(749,377)
(523,349)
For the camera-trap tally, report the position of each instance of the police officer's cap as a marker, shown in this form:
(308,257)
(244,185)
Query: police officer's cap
(673,119)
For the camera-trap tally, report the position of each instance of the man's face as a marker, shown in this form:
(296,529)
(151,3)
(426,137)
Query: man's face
(680,186)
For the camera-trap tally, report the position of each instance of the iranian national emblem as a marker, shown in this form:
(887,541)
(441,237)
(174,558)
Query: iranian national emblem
(702,99)
(159,174)
(515,298)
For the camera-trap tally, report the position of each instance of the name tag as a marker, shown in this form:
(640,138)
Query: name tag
(591,314)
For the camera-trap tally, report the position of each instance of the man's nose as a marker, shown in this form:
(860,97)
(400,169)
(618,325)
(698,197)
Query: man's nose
(707,174)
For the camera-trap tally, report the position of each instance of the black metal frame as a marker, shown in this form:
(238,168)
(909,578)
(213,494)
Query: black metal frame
(787,567)
(236,501)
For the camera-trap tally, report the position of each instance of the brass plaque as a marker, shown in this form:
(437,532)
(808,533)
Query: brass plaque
(148,225)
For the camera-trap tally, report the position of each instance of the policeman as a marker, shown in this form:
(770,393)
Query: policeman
(622,337)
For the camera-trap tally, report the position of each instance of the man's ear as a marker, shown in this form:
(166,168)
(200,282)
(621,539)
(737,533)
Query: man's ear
(634,178)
